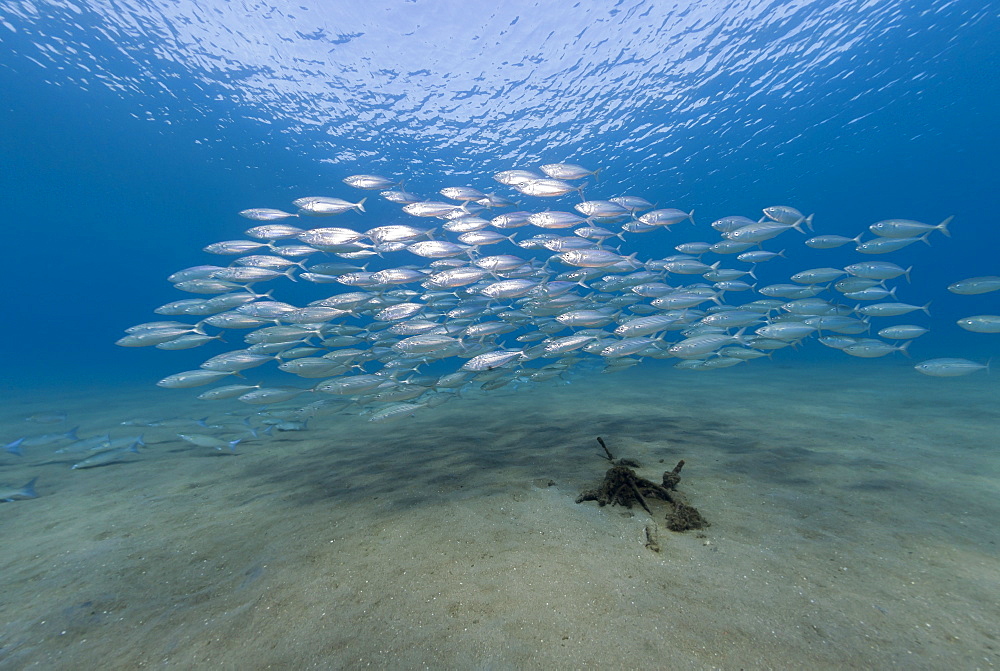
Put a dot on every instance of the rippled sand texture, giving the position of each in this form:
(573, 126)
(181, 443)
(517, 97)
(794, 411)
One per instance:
(853, 516)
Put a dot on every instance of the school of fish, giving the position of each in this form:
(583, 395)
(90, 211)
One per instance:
(476, 292)
(488, 294)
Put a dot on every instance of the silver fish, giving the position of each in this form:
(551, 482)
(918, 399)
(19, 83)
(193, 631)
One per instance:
(491, 360)
(831, 241)
(266, 214)
(235, 247)
(107, 457)
(462, 193)
(517, 177)
(785, 215)
(202, 440)
(430, 208)
(395, 411)
(193, 378)
(878, 270)
(886, 245)
(9, 495)
(891, 309)
(319, 206)
(546, 188)
(567, 171)
(667, 217)
(975, 285)
(906, 228)
(268, 395)
(902, 332)
(981, 323)
(601, 209)
(871, 348)
(371, 182)
(949, 367)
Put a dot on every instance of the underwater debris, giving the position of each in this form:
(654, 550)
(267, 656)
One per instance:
(652, 536)
(621, 462)
(622, 486)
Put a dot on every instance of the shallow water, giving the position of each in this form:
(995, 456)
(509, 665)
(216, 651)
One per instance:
(852, 502)
(850, 512)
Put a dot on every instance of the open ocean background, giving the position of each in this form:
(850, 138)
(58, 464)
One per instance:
(132, 134)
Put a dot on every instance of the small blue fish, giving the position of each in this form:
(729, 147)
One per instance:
(107, 457)
(49, 438)
(22, 494)
(14, 447)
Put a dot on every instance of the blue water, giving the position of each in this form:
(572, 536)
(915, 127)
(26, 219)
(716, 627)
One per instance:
(862, 507)
(132, 133)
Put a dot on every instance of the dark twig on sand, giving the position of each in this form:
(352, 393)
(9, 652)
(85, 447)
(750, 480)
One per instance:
(622, 487)
(606, 450)
(632, 463)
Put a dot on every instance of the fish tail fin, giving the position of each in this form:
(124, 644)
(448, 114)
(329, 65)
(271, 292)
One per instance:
(906, 274)
(15, 447)
(924, 238)
(290, 274)
(71, 434)
(809, 223)
(943, 226)
(798, 225)
(361, 204)
(924, 308)
(28, 490)
(902, 349)
(597, 174)
(233, 444)
(691, 217)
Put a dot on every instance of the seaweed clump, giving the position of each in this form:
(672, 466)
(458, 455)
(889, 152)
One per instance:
(622, 486)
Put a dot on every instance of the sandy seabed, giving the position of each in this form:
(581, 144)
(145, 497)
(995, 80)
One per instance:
(854, 524)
